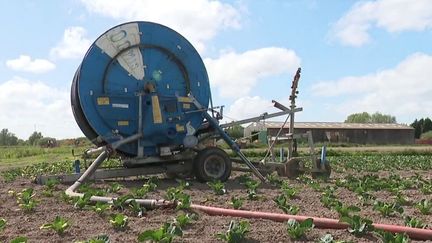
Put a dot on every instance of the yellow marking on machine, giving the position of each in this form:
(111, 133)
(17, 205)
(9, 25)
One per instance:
(184, 99)
(186, 106)
(103, 101)
(157, 115)
(180, 128)
(123, 123)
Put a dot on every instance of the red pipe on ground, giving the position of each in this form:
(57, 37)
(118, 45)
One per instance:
(413, 233)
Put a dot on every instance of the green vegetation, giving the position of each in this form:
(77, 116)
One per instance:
(387, 209)
(298, 230)
(165, 234)
(97, 239)
(387, 237)
(358, 226)
(7, 138)
(100, 208)
(236, 202)
(236, 232)
(2, 224)
(282, 202)
(177, 195)
(19, 239)
(119, 221)
(25, 200)
(424, 206)
(365, 117)
(59, 225)
(414, 222)
(218, 187)
(422, 126)
(184, 219)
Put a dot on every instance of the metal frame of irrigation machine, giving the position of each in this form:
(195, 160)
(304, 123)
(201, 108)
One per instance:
(207, 162)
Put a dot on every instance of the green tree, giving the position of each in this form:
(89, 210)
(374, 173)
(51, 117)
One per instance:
(382, 118)
(427, 125)
(421, 126)
(7, 138)
(365, 117)
(34, 138)
(235, 131)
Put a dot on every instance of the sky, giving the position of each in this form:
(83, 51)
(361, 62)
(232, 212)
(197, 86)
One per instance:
(355, 55)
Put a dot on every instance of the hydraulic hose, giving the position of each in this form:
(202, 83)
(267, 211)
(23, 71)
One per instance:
(413, 233)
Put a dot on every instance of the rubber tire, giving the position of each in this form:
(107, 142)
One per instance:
(201, 157)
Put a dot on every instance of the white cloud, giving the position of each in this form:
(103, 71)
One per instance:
(26, 104)
(404, 90)
(73, 45)
(198, 20)
(235, 74)
(25, 63)
(247, 107)
(391, 15)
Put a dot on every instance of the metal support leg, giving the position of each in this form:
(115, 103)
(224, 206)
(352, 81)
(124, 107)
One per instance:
(214, 123)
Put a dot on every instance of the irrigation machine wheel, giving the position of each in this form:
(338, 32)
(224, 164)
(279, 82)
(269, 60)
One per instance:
(212, 164)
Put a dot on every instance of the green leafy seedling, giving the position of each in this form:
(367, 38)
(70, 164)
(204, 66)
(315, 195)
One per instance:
(176, 194)
(114, 187)
(236, 202)
(274, 179)
(183, 219)
(97, 239)
(289, 191)
(387, 237)
(121, 202)
(424, 206)
(20, 239)
(414, 222)
(298, 230)
(402, 200)
(119, 221)
(236, 232)
(59, 225)
(2, 224)
(101, 207)
(218, 187)
(358, 226)
(282, 203)
(387, 209)
(25, 200)
(345, 211)
(165, 234)
(136, 208)
(82, 202)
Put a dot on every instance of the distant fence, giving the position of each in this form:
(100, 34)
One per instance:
(423, 141)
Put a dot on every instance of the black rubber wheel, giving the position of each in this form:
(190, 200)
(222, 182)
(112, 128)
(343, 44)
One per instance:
(212, 164)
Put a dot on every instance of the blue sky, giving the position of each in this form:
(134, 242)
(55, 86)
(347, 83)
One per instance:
(355, 55)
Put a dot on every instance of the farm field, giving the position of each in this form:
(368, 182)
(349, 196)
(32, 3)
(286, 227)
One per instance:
(393, 189)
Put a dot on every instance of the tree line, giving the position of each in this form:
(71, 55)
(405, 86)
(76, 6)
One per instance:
(8, 138)
(422, 128)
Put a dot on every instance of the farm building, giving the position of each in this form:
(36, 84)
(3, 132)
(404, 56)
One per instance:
(338, 132)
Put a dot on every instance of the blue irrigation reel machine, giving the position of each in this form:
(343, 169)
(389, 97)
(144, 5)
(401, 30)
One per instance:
(142, 92)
